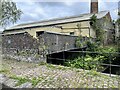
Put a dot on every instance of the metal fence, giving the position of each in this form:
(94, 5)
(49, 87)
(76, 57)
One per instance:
(111, 66)
(83, 54)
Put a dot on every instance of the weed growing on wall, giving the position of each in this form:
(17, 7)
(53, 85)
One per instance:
(97, 27)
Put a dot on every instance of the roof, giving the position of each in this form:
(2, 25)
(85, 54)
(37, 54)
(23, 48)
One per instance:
(81, 17)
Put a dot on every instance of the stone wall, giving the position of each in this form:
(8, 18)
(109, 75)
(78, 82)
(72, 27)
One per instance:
(108, 29)
(57, 42)
(23, 46)
(19, 41)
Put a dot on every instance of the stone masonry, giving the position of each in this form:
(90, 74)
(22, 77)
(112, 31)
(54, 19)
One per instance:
(24, 47)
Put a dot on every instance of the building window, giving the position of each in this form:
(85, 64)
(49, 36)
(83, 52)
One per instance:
(71, 33)
(39, 33)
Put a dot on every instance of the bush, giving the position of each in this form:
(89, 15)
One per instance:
(108, 53)
(87, 62)
(91, 46)
(98, 54)
(79, 42)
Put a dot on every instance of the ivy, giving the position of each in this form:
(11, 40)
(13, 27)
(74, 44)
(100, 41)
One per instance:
(97, 27)
(79, 42)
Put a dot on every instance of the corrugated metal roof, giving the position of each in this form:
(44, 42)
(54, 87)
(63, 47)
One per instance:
(60, 20)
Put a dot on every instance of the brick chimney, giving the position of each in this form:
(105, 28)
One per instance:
(94, 6)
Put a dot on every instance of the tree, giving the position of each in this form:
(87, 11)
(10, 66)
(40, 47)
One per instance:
(9, 13)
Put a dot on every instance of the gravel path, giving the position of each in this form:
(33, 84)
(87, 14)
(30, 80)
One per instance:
(56, 76)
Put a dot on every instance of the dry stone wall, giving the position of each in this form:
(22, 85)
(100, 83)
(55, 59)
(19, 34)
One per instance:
(23, 46)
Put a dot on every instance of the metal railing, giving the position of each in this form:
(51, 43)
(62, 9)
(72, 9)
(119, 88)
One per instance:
(108, 65)
(83, 54)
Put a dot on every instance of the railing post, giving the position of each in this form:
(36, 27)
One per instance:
(110, 63)
(64, 54)
(83, 58)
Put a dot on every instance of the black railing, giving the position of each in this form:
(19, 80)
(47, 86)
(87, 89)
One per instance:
(65, 58)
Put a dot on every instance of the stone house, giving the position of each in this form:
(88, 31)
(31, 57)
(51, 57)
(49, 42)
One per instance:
(75, 25)
(56, 33)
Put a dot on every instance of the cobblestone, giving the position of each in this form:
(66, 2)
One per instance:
(54, 77)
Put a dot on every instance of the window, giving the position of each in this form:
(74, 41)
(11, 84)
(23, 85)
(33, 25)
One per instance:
(71, 33)
(39, 33)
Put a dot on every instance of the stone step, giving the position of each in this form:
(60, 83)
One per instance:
(3, 78)
(25, 85)
(11, 82)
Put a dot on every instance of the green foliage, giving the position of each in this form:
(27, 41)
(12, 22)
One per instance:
(118, 44)
(9, 13)
(42, 63)
(92, 60)
(93, 21)
(35, 80)
(107, 49)
(56, 67)
(94, 73)
(89, 43)
(118, 20)
(4, 71)
(87, 62)
(97, 27)
(91, 46)
(37, 56)
(22, 53)
(79, 42)
(108, 53)
(21, 80)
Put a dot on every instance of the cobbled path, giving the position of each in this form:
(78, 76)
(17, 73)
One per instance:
(53, 76)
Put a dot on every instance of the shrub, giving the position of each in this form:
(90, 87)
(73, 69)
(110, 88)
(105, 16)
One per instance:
(87, 62)
(91, 46)
(108, 53)
(79, 42)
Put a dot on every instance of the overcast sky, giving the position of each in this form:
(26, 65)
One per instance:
(37, 11)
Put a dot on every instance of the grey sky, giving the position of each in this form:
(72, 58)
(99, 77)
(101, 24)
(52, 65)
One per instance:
(36, 11)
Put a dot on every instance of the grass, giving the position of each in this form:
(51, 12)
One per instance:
(4, 71)
(35, 80)
(42, 63)
(22, 80)
(94, 73)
